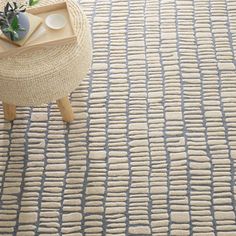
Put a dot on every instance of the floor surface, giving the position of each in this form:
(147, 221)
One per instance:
(153, 148)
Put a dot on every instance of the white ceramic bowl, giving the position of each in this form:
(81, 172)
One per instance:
(55, 21)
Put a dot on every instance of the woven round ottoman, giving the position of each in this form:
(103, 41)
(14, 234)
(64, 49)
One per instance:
(47, 74)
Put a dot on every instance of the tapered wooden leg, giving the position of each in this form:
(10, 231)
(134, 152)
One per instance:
(65, 109)
(9, 111)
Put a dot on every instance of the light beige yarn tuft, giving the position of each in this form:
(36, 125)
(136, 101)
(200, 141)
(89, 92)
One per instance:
(44, 75)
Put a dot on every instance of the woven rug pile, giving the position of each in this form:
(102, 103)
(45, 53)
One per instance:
(153, 148)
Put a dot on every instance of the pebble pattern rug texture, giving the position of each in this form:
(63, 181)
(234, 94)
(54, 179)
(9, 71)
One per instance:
(152, 150)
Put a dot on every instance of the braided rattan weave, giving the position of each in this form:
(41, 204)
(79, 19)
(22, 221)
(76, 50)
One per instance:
(43, 75)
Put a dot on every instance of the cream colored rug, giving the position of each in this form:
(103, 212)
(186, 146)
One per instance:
(153, 148)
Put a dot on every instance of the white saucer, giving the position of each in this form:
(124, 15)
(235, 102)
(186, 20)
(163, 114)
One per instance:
(55, 21)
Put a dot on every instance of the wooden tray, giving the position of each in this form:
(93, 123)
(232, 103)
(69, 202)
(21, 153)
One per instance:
(49, 37)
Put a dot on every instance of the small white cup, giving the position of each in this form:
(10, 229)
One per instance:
(55, 21)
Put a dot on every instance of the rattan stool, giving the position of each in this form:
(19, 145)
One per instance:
(47, 74)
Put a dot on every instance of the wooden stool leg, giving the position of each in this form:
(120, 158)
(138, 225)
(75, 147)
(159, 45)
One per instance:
(65, 109)
(9, 111)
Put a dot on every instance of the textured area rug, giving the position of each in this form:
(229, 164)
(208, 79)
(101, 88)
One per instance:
(153, 148)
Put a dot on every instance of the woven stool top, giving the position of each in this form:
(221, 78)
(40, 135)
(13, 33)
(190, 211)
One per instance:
(42, 75)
